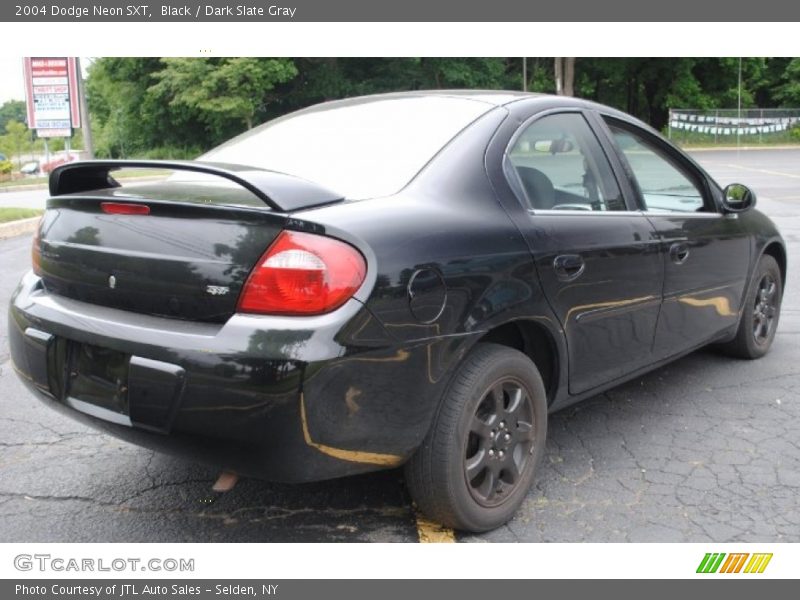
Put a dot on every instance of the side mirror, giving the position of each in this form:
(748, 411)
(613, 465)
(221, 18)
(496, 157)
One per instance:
(738, 198)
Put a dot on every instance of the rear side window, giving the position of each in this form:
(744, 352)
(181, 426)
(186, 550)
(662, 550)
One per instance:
(556, 163)
(664, 186)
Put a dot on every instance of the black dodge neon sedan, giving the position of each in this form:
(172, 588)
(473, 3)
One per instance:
(408, 279)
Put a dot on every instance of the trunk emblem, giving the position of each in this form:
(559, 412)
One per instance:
(112, 282)
(217, 290)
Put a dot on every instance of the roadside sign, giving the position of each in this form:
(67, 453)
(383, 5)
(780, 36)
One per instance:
(48, 133)
(51, 91)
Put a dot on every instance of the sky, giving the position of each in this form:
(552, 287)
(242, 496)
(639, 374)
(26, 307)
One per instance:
(12, 86)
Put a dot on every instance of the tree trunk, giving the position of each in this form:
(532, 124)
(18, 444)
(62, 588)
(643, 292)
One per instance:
(569, 76)
(564, 70)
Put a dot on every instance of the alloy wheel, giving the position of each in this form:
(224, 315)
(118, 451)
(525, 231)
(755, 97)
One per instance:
(765, 309)
(500, 442)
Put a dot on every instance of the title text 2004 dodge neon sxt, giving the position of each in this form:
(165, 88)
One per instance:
(408, 279)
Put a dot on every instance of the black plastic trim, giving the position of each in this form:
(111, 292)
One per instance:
(279, 191)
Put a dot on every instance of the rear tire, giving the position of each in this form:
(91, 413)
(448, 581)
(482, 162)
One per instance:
(478, 461)
(760, 313)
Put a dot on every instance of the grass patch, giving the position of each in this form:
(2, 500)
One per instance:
(23, 181)
(133, 173)
(15, 214)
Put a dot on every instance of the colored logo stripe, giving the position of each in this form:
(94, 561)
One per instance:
(711, 562)
(758, 563)
(733, 564)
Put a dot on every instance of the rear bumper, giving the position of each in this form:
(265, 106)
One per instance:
(286, 399)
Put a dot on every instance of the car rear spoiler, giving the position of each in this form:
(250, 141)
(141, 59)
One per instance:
(279, 191)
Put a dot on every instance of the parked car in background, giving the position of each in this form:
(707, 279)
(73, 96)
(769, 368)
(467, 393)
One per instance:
(31, 168)
(408, 279)
(57, 162)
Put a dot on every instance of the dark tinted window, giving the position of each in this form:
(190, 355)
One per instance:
(664, 186)
(556, 163)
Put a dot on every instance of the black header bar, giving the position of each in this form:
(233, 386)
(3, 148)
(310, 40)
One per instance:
(400, 11)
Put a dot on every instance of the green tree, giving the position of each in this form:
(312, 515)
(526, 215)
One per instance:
(127, 120)
(649, 87)
(221, 90)
(787, 92)
(17, 139)
(480, 73)
(12, 110)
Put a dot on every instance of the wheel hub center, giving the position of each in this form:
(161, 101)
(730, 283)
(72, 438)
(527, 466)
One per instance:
(501, 440)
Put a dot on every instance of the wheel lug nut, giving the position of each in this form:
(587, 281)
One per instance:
(507, 436)
(502, 424)
(501, 454)
(491, 451)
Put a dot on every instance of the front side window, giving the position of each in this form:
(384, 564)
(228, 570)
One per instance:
(664, 187)
(556, 163)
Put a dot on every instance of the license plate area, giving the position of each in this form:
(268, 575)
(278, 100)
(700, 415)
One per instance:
(98, 376)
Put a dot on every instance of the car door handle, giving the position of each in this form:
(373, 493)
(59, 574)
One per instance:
(568, 266)
(679, 252)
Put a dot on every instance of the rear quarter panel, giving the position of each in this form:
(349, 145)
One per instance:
(449, 226)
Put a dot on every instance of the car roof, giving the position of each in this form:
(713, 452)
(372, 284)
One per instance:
(493, 97)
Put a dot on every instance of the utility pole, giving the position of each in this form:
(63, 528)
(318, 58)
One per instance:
(524, 74)
(88, 146)
(739, 110)
(558, 67)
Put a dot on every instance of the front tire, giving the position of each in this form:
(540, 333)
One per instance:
(762, 309)
(477, 463)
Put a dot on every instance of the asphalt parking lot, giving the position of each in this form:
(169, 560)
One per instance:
(705, 449)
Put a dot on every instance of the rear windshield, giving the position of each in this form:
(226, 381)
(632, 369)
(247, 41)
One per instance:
(360, 149)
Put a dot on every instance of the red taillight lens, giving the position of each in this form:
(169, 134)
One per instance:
(124, 208)
(303, 274)
(36, 249)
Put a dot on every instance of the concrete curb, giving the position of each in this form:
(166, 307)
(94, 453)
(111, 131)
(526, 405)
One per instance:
(15, 228)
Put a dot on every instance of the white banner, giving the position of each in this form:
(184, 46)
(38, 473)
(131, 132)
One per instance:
(376, 561)
(716, 130)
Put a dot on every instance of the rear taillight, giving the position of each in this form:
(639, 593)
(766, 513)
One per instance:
(303, 274)
(36, 249)
(124, 208)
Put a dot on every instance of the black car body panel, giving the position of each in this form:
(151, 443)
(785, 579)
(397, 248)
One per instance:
(454, 258)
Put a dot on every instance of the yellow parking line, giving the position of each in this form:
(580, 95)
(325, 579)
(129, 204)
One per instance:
(433, 533)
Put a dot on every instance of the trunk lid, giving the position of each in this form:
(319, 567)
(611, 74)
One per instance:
(188, 258)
